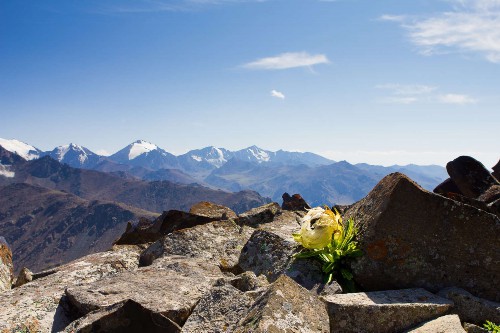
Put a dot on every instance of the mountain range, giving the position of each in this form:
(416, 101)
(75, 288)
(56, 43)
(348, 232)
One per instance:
(318, 179)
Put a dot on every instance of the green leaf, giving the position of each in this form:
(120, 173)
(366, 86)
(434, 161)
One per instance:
(346, 274)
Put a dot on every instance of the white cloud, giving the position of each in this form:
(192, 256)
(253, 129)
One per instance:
(399, 100)
(407, 89)
(456, 99)
(472, 26)
(392, 18)
(288, 60)
(277, 94)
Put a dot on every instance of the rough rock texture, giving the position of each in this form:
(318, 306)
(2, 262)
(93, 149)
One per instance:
(285, 307)
(209, 209)
(415, 238)
(470, 176)
(444, 324)
(171, 287)
(166, 223)
(6, 266)
(447, 186)
(218, 311)
(41, 305)
(491, 194)
(383, 311)
(248, 281)
(294, 202)
(470, 308)
(260, 215)
(128, 316)
(471, 328)
(496, 171)
(25, 276)
(226, 241)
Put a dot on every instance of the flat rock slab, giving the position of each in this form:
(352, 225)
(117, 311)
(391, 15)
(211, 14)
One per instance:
(172, 288)
(212, 210)
(285, 307)
(415, 238)
(219, 310)
(218, 242)
(128, 316)
(470, 308)
(259, 215)
(40, 304)
(383, 311)
(444, 324)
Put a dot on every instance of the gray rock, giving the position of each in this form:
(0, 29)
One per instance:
(40, 304)
(444, 324)
(209, 209)
(171, 287)
(260, 215)
(218, 311)
(25, 276)
(218, 242)
(470, 308)
(248, 281)
(6, 267)
(415, 238)
(128, 316)
(383, 311)
(270, 250)
(285, 307)
(471, 328)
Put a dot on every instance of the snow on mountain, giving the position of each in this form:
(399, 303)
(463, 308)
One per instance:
(145, 154)
(253, 154)
(140, 147)
(5, 171)
(74, 155)
(22, 149)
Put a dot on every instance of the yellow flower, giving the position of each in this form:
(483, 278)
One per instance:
(318, 226)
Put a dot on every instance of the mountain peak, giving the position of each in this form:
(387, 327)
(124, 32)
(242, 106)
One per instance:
(140, 147)
(26, 151)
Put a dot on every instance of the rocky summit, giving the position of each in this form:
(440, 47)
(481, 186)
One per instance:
(430, 263)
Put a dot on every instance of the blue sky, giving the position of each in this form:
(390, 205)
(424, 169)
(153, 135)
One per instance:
(382, 82)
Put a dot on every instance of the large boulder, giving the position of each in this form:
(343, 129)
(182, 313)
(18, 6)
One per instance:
(209, 209)
(449, 323)
(41, 306)
(415, 238)
(6, 266)
(294, 202)
(383, 311)
(470, 308)
(470, 176)
(171, 287)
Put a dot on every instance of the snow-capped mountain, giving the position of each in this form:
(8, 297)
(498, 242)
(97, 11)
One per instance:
(75, 156)
(253, 154)
(145, 154)
(26, 151)
(256, 154)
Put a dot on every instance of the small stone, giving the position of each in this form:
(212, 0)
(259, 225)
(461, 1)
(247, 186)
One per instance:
(471, 328)
(444, 324)
(383, 311)
(25, 276)
(294, 203)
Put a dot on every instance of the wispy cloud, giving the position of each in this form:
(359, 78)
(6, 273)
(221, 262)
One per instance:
(471, 26)
(407, 89)
(413, 93)
(277, 94)
(288, 60)
(456, 99)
